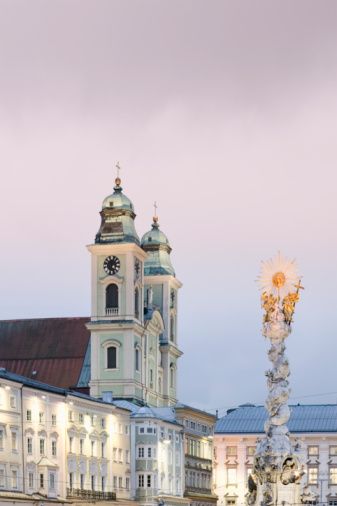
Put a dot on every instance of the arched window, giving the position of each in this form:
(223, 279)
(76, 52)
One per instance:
(111, 300)
(172, 328)
(111, 357)
(137, 303)
(137, 364)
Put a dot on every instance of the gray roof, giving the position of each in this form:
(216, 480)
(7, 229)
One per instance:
(303, 419)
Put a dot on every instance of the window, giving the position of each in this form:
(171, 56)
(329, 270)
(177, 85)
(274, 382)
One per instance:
(53, 420)
(92, 420)
(82, 481)
(231, 451)
(150, 430)
(120, 455)
(12, 402)
(230, 502)
(1, 439)
(120, 482)
(111, 299)
(30, 480)
(149, 452)
(51, 481)
(231, 476)
(112, 357)
(127, 456)
(41, 480)
(53, 448)
(137, 359)
(312, 475)
(80, 418)
(141, 430)
(148, 481)
(81, 446)
(102, 449)
(333, 451)
(333, 475)
(41, 417)
(137, 303)
(103, 483)
(172, 328)
(250, 451)
(114, 454)
(126, 430)
(71, 440)
(71, 480)
(151, 378)
(172, 376)
(141, 481)
(102, 423)
(192, 425)
(204, 429)
(141, 452)
(14, 478)
(115, 482)
(70, 416)
(41, 446)
(93, 482)
(127, 483)
(2, 478)
(14, 441)
(29, 415)
(313, 451)
(92, 448)
(29, 446)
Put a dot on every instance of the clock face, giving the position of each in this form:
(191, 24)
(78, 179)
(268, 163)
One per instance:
(111, 265)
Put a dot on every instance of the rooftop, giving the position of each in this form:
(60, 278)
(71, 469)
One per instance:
(303, 419)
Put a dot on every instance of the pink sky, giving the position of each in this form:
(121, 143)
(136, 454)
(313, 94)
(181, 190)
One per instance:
(225, 112)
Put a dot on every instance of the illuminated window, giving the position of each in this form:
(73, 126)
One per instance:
(333, 475)
(231, 451)
(313, 451)
(312, 475)
(250, 451)
(333, 451)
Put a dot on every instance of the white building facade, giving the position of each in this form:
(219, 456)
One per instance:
(313, 428)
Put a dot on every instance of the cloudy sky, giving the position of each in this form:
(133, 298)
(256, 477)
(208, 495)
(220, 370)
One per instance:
(225, 112)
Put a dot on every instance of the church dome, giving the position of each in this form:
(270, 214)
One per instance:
(158, 248)
(117, 217)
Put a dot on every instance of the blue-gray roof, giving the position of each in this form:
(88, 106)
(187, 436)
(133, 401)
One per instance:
(303, 419)
(166, 413)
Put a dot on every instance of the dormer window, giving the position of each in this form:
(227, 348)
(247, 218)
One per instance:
(111, 204)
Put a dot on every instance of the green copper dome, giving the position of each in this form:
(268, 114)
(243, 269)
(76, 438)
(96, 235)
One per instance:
(117, 217)
(158, 248)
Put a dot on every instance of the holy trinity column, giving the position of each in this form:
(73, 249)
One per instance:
(277, 470)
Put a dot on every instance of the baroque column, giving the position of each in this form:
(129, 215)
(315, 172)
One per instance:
(277, 471)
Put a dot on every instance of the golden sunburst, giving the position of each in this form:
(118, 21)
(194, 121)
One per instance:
(278, 276)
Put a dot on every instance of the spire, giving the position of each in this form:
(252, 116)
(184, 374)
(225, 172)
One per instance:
(155, 223)
(118, 180)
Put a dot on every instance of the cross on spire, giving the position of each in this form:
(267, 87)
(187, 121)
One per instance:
(155, 217)
(118, 167)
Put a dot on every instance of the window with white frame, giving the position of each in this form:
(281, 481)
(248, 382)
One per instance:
(41, 480)
(141, 481)
(29, 415)
(12, 402)
(41, 417)
(80, 418)
(115, 482)
(2, 437)
(42, 446)
(14, 479)
(102, 449)
(120, 455)
(81, 446)
(2, 477)
(231, 475)
(71, 441)
(14, 441)
(93, 482)
(54, 448)
(127, 483)
(231, 451)
(51, 481)
(93, 448)
(141, 452)
(333, 451)
(53, 419)
(127, 456)
(29, 445)
(30, 479)
(313, 451)
(333, 475)
(120, 482)
(82, 481)
(312, 475)
(70, 416)
(111, 357)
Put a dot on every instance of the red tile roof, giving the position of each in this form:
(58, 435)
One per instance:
(53, 347)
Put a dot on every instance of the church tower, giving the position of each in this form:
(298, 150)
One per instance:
(126, 360)
(161, 292)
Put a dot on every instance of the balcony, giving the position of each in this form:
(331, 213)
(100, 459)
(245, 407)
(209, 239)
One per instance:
(90, 494)
(111, 311)
(197, 490)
